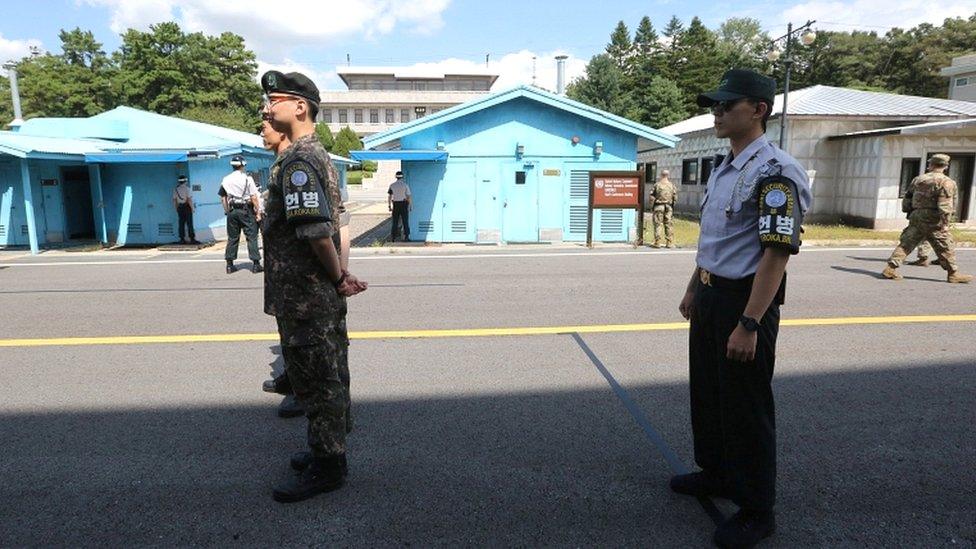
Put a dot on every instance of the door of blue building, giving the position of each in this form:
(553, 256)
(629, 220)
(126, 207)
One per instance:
(13, 223)
(520, 206)
(458, 196)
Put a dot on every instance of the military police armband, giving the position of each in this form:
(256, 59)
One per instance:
(780, 215)
(305, 199)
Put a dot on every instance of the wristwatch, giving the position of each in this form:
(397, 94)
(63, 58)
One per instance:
(341, 280)
(750, 324)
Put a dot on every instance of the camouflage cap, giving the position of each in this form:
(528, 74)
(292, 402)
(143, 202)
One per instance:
(939, 159)
(293, 83)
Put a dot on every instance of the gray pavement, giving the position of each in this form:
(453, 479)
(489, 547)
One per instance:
(511, 441)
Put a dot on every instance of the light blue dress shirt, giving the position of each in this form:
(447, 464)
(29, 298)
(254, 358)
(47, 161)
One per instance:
(729, 241)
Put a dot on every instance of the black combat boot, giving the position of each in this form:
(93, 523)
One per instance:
(700, 484)
(290, 407)
(256, 267)
(280, 385)
(230, 267)
(746, 528)
(322, 475)
(301, 460)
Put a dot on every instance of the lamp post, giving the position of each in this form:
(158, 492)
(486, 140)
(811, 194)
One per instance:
(773, 55)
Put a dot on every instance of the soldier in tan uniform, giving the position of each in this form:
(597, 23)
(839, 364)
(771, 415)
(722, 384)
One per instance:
(932, 198)
(665, 195)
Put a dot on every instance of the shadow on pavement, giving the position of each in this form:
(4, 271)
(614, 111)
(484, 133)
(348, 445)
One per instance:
(871, 458)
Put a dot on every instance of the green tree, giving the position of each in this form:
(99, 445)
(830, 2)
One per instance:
(346, 140)
(743, 44)
(325, 136)
(167, 71)
(235, 118)
(603, 87)
(663, 104)
(698, 64)
(620, 47)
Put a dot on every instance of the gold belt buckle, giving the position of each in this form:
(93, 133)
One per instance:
(705, 277)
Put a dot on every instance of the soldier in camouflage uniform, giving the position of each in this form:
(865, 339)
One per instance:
(665, 195)
(305, 286)
(932, 202)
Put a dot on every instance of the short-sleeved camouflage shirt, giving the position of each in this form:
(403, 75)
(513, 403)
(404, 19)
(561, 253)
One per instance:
(303, 204)
(933, 191)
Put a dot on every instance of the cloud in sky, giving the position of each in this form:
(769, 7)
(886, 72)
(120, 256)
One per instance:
(274, 30)
(14, 50)
(874, 15)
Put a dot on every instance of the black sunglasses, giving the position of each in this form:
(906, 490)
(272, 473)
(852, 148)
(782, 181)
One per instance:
(721, 107)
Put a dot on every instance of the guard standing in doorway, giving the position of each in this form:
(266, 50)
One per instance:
(399, 202)
(750, 225)
(183, 202)
(239, 195)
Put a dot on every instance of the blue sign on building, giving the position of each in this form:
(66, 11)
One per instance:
(513, 167)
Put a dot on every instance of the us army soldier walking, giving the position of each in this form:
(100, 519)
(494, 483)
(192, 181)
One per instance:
(931, 203)
(665, 195)
(305, 287)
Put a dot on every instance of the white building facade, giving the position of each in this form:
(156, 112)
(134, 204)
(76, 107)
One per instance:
(860, 150)
(381, 98)
(962, 78)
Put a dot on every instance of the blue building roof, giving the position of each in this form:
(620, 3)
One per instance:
(654, 138)
(125, 134)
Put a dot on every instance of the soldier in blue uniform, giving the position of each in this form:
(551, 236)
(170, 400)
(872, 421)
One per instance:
(750, 225)
(305, 284)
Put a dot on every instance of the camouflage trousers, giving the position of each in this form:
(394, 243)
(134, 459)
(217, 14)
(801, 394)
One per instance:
(924, 250)
(316, 355)
(936, 234)
(663, 224)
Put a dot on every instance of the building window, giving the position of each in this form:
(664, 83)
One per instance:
(650, 171)
(404, 115)
(689, 172)
(343, 116)
(357, 116)
(374, 116)
(520, 178)
(706, 169)
(910, 168)
(960, 82)
(389, 116)
(327, 116)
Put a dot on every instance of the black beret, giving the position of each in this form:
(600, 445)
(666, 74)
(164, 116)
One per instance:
(293, 83)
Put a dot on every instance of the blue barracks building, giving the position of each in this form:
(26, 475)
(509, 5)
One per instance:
(513, 166)
(110, 177)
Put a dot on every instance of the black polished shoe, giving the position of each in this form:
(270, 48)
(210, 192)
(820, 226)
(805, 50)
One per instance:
(746, 528)
(301, 460)
(231, 269)
(290, 407)
(257, 268)
(280, 385)
(699, 484)
(320, 476)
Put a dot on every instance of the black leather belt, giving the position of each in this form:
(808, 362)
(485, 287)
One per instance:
(714, 281)
(241, 206)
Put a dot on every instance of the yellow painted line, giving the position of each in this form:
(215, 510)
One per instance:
(472, 332)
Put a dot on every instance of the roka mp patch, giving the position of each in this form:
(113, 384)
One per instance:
(780, 216)
(305, 200)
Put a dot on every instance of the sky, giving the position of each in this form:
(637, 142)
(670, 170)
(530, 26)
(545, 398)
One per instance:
(519, 37)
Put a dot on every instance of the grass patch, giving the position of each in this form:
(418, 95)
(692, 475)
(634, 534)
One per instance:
(354, 178)
(686, 233)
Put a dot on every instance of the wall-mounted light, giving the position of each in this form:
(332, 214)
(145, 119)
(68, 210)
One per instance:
(519, 150)
(598, 148)
(440, 145)
(575, 140)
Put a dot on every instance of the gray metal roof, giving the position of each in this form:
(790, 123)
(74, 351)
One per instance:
(832, 101)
